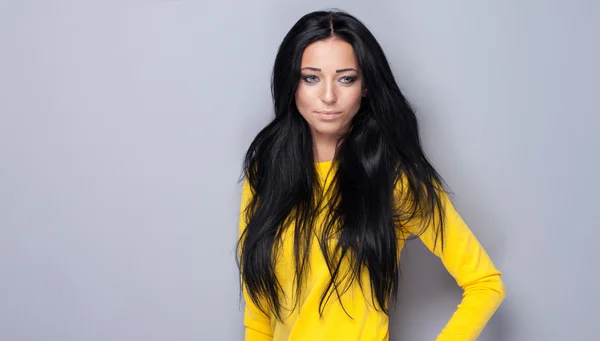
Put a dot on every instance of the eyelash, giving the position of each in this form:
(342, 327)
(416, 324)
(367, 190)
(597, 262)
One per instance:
(349, 79)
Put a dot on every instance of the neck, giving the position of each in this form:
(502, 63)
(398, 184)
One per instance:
(325, 147)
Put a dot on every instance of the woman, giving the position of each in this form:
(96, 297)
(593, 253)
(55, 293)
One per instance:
(333, 187)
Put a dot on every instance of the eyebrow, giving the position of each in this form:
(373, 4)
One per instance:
(336, 71)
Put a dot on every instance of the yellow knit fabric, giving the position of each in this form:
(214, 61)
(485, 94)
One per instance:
(463, 257)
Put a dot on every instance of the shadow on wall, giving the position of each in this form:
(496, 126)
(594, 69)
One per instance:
(428, 297)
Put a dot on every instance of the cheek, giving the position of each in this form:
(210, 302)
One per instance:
(305, 102)
(301, 99)
(353, 99)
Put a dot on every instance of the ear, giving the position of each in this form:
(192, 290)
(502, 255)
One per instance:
(364, 93)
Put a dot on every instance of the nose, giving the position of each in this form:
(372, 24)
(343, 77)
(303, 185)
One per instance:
(328, 94)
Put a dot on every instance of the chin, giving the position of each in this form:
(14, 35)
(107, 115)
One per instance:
(327, 130)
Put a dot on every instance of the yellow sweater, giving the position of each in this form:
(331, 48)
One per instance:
(463, 257)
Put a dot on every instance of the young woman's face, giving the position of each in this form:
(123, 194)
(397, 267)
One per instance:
(330, 89)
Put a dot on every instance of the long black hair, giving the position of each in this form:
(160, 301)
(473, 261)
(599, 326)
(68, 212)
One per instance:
(382, 178)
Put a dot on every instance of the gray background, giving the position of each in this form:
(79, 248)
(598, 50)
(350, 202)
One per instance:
(123, 125)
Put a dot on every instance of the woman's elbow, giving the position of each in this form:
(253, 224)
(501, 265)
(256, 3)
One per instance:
(493, 285)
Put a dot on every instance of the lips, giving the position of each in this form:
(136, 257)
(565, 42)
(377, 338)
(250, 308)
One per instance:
(329, 113)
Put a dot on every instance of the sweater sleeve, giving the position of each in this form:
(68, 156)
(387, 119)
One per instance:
(257, 325)
(467, 261)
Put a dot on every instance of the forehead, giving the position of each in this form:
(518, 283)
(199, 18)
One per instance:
(329, 54)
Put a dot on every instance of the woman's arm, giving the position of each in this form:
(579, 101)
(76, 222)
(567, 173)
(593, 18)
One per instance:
(257, 324)
(469, 264)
